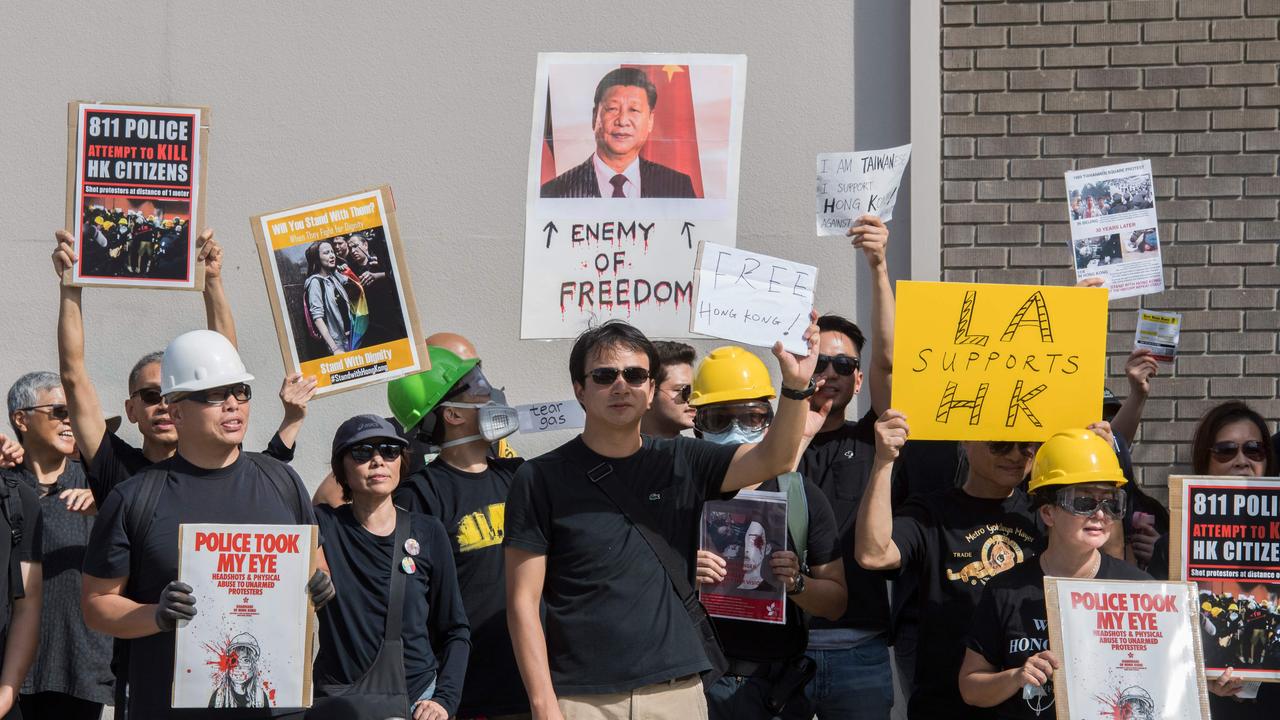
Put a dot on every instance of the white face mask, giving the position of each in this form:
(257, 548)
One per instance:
(734, 436)
(496, 422)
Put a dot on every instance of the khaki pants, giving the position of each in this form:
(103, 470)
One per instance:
(679, 699)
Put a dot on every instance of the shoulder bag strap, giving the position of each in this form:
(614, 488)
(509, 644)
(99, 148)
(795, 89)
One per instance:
(797, 513)
(395, 603)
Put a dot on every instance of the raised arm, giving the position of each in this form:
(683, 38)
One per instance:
(873, 544)
(526, 573)
(872, 237)
(87, 422)
(217, 311)
(1139, 369)
(777, 453)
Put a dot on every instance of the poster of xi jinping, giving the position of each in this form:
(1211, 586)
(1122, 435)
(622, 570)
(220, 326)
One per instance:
(135, 194)
(633, 160)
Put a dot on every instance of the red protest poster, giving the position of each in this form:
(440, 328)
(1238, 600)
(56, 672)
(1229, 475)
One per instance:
(1225, 537)
(746, 531)
(250, 644)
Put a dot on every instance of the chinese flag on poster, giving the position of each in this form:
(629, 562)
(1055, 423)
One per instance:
(674, 140)
(548, 146)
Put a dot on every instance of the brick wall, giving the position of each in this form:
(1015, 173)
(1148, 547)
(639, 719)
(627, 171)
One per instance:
(1032, 89)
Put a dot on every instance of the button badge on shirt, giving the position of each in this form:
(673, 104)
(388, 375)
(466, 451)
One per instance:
(408, 566)
(411, 547)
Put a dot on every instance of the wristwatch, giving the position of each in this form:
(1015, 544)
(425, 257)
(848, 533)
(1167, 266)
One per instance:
(799, 588)
(804, 394)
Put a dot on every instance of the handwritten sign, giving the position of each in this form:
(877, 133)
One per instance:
(751, 298)
(998, 362)
(559, 415)
(1128, 649)
(853, 183)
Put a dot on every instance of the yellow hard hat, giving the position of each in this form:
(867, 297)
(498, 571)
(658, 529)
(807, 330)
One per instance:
(1075, 456)
(1233, 606)
(1206, 606)
(97, 220)
(108, 225)
(730, 373)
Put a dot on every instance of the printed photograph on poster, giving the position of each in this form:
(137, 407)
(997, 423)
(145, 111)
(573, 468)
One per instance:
(340, 291)
(745, 532)
(249, 646)
(135, 194)
(1225, 537)
(1129, 649)
(1114, 233)
(633, 159)
(752, 298)
(853, 183)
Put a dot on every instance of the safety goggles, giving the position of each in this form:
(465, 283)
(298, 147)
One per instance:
(148, 395)
(1084, 503)
(216, 396)
(1001, 447)
(1227, 451)
(363, 453)
(842, 364)
(750, 416)
(680, 395)
(56, 411)
(635, 376)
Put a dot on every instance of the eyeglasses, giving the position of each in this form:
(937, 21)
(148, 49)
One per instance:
(148, 395)
(1227, 451)
(750, 416)
(843, 364)
(56, 411)
(680, 395)
(1084, 504)
(364, 453)
(1002, 447)
(217, 396)
(634, 376)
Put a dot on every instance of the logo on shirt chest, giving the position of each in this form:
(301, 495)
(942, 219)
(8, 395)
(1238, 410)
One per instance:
(1001, 550)
(482, 528)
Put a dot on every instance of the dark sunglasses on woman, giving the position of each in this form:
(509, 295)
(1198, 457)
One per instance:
(1227, 451)
(843, 364)
(1084, 505)
(363, 453)
(1001, 447)
(750, 416)
(634, 376)
(57, 411)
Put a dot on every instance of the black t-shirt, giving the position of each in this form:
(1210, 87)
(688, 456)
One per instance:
(117, 461)
(236, 494)
(1010, 625)
(353, 624)
(839, 462)
(29, 549)
(953, 544)
(472, 507)
(763, 642)
(613, 622)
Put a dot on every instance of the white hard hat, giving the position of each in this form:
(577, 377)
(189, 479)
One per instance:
(200, 360)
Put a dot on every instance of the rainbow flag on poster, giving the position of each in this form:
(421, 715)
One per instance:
(359, 309)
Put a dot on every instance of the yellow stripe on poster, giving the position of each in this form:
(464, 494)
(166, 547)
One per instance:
(325, 221)
(362, 363)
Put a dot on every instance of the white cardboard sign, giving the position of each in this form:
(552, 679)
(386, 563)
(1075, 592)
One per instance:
(559, 415)
(752, 298)
(853, 183)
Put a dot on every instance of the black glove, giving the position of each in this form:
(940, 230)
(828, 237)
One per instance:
(320, 587)
(176, 605)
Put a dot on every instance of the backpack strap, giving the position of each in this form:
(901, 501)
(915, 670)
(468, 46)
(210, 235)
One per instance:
(11, 505)
(792, 484)
(139, 515)
(278, 473)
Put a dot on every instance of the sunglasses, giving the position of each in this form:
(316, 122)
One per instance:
(843, 364)
(1227, 451)
(681, 395)
(149, 396)
(749, 416)
(1001, 447)
(1084, 505)
(56, 411)
(634, 376)
(216, 396)
(364, 453)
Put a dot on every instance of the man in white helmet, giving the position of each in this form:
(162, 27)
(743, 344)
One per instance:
(131, 564)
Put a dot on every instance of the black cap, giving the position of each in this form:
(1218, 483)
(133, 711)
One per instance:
(363, 427)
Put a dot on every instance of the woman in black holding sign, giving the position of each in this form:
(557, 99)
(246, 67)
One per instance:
(397, 593)
(1076, 485)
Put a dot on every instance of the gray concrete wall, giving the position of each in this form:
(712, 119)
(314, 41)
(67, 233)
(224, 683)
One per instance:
(318, 99)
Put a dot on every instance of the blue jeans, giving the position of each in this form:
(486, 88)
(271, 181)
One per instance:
(852, 684)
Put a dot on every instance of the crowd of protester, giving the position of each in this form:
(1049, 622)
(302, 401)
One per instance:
(566, 585)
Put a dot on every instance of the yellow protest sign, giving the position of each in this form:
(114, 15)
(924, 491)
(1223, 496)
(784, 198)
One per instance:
(998, 362)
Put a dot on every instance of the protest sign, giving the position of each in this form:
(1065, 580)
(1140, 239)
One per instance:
(1128, 649)
(752, 298)
(250, 644)
(1158, 332)
(853, 183)
(618, 201)
(340, 291)
(746, 531)
(135, 194)
(541, 417)
(1225, 537)
(998, 362)
(1114, 234)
